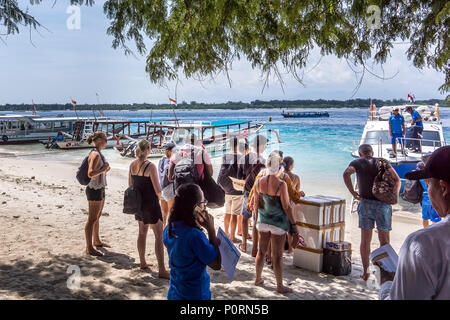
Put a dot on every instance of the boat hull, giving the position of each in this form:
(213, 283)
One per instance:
(306, 115)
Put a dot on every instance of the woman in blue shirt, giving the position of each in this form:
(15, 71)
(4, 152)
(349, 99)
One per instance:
(189, 249)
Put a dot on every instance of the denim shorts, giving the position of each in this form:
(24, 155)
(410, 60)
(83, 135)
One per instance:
(246, 214)
(168, 193)
(371, 211)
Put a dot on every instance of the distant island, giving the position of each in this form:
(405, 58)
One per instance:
(257, 104)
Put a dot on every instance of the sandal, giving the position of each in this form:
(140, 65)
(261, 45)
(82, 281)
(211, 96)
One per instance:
(240, 248)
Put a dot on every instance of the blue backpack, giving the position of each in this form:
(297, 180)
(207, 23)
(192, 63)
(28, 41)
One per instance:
(82, 173)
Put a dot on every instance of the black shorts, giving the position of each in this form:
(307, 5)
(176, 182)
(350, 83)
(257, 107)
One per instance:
(95, 195)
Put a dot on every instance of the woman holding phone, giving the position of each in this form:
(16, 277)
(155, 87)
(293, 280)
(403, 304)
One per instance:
(189, 250)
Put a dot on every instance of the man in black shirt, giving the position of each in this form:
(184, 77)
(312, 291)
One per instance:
(370, 209)
(249, 167)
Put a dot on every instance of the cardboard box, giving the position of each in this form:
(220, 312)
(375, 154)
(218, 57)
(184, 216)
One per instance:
(309, 259)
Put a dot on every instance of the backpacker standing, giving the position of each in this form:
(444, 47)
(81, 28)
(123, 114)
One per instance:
(234, 199)
(249, 167)
(370, 209)
(95, 192)
(189, 164)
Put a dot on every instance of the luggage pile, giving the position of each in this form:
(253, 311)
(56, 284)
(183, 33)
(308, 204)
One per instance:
(321, 222)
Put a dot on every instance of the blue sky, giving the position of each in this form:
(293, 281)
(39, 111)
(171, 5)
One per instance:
(65, 64)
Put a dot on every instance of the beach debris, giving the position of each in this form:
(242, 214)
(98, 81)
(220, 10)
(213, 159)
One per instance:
(39, 205)
(4, 202)
(33, 178)
(60, 206)
(105, 214)
(16, 217)
(84, 211)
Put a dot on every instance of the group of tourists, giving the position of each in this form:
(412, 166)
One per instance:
(175, 197)
(265, 195)
(423, 270)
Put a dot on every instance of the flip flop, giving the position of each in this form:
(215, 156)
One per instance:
(240, 248)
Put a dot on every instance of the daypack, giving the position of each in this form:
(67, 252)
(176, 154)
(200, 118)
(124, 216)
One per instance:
(132, 200)
(185, 171)
(412, 191)
(163, 170)
(82, 173)
(227, 171)
(384, 184)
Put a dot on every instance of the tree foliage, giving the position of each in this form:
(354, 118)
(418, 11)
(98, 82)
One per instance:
(200, 39)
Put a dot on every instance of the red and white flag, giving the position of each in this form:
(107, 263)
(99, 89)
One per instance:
(74, 102)
(172, 101)
(411, 97)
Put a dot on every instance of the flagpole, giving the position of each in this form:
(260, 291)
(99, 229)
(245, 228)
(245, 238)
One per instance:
(74, 108)
(34, 107)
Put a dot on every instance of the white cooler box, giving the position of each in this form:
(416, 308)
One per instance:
(317, 237)
(309, 259)
(337, 209)
(320, 210)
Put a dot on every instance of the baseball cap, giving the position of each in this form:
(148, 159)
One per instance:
(438, 167)
(169, 146)
(395, 108)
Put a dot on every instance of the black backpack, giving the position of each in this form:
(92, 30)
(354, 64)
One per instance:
(132, 200)
(412, 191)
(185, 171)
(82, 173)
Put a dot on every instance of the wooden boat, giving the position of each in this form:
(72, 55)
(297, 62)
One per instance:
(118, 132)
(214, 136)
(306, 114)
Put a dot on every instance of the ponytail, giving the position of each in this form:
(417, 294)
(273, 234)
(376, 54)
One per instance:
(141, 150)
(95, 136)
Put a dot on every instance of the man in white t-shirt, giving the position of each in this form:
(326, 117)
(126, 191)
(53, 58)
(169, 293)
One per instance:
(423, 270)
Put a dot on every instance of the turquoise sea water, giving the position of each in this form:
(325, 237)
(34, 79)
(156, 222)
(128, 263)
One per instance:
(321, 147)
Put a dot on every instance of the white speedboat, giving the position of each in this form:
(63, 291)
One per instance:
(376, 134)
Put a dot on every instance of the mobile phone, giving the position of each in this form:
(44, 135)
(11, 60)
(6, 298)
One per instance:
(198, 213)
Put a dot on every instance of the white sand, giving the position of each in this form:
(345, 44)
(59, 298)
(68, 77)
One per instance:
(43, 211)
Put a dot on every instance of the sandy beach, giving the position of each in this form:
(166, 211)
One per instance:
(43, 210)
